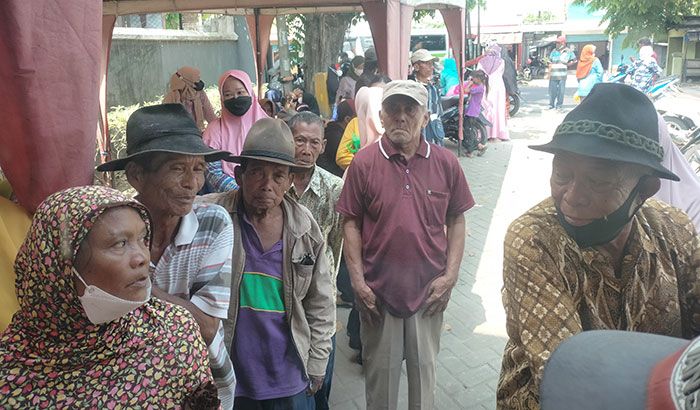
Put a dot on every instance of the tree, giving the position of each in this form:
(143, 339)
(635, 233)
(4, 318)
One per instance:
(642, 17)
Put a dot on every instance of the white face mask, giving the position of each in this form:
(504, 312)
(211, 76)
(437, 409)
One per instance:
(102, 307)
(359, 71)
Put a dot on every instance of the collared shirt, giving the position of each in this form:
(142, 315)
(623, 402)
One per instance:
(560, 60)
(403, 207)
(320, 197)
(554, 289)
(197, 267)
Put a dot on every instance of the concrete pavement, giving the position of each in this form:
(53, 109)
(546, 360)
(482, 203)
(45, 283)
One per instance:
(506, 181)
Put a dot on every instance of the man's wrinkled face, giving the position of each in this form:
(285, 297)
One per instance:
(424, 69)
(586, 188)
(171, 184)
(263, 184)
(308, 143)
(403, 119)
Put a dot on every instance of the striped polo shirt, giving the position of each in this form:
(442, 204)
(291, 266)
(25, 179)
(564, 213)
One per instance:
(196, 266)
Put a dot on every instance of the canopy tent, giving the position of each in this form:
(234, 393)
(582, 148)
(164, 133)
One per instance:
(54, 58)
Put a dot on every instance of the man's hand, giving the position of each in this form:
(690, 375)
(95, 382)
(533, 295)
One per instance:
(368, 304)
(439, 295)
(316, 382)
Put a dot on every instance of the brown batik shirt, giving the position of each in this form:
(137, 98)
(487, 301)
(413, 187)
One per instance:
(554, 289)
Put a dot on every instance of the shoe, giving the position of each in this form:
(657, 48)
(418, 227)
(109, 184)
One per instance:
(550, 108)
(481, 151)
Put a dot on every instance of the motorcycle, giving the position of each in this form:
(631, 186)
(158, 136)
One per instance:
(691, 150)
(514, 104)
(472, 130)
(535, 68)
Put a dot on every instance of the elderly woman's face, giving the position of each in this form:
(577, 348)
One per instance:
(263, 185)
(586, 188)
(114, 256)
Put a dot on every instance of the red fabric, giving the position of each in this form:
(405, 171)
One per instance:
(265, 26)
(49, 64)
(402, 207)
(659, 384)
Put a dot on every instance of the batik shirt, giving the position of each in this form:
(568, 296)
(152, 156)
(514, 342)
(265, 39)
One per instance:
(643, 74)
(554, 289)
(320, 198)
(197, 267)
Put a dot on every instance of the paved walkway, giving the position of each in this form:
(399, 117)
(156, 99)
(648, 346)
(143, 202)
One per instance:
(506, 181)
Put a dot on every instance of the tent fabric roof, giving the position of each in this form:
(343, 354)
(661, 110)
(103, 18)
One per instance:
(124, 7)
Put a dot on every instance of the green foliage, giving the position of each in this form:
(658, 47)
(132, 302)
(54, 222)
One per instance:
(118, 117)
(172, 21)
(642, 17)
(539, 17)
(295, 27)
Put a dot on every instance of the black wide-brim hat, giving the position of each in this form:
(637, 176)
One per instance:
(165, 128)
(615, 122)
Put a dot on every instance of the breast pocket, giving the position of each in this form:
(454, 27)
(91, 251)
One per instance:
(302, 278)
(436, 207)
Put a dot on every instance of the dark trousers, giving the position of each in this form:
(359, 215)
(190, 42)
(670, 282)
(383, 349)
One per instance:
(556, 92)
(300, 401)
(343, 282)
(323, 395)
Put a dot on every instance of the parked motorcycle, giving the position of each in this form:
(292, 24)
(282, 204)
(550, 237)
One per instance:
(691, 150)
(514, 104)
(535, 68)
(471, 129)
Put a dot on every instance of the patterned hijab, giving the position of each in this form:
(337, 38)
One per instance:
(53, 356)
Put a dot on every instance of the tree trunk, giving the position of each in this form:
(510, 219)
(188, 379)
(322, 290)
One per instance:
(323, 41)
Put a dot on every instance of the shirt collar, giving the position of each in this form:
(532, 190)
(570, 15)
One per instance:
(314, 184)
(389, 150)
(187, 230)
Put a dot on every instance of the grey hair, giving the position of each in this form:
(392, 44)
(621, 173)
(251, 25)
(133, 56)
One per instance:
(305, 117)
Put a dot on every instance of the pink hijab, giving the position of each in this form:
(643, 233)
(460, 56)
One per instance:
(228, 132)
(368, 103)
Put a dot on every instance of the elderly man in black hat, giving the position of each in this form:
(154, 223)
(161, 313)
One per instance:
(599, 253)
(191, 245)
(282, 312)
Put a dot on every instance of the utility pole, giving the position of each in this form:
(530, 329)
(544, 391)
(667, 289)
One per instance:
(283, 49)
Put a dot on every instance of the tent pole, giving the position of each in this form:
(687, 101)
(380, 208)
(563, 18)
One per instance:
(258, 56)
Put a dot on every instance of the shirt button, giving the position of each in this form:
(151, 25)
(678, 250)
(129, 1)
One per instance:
(407, 171)
(406, 186)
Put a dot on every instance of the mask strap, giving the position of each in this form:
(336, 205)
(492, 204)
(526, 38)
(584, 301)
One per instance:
(75, 272)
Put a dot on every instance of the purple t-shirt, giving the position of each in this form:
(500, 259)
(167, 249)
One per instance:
(476, 94)
(264, 357)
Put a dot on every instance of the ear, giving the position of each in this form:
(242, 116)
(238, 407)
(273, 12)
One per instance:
(135, 175)
(649, 185)
(238, 175)
(323, 145)
(426, 119)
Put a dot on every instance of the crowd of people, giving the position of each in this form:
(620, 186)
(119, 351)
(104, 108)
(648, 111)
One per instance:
(217, 285)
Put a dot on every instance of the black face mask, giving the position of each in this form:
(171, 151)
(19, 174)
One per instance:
(199, 85)
(602, 230)
(238, 105)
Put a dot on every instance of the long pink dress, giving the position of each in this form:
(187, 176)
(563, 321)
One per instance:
(495, 102)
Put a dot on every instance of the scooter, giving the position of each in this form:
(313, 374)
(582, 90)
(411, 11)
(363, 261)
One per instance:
(691, 150)
(475, 129)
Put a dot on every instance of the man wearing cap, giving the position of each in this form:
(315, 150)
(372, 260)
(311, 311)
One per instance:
(282, 312)
(423, 70)
(191, 246)
(403, 203)
(560, 60)
(599, 253)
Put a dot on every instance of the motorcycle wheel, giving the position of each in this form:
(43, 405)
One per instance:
(478, 133)
(693, 157)
(677, 130)
(514, 101)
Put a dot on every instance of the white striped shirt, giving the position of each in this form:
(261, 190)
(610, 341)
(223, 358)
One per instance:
(197, 267)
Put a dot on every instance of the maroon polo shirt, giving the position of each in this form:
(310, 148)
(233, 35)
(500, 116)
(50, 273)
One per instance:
(403, 206)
